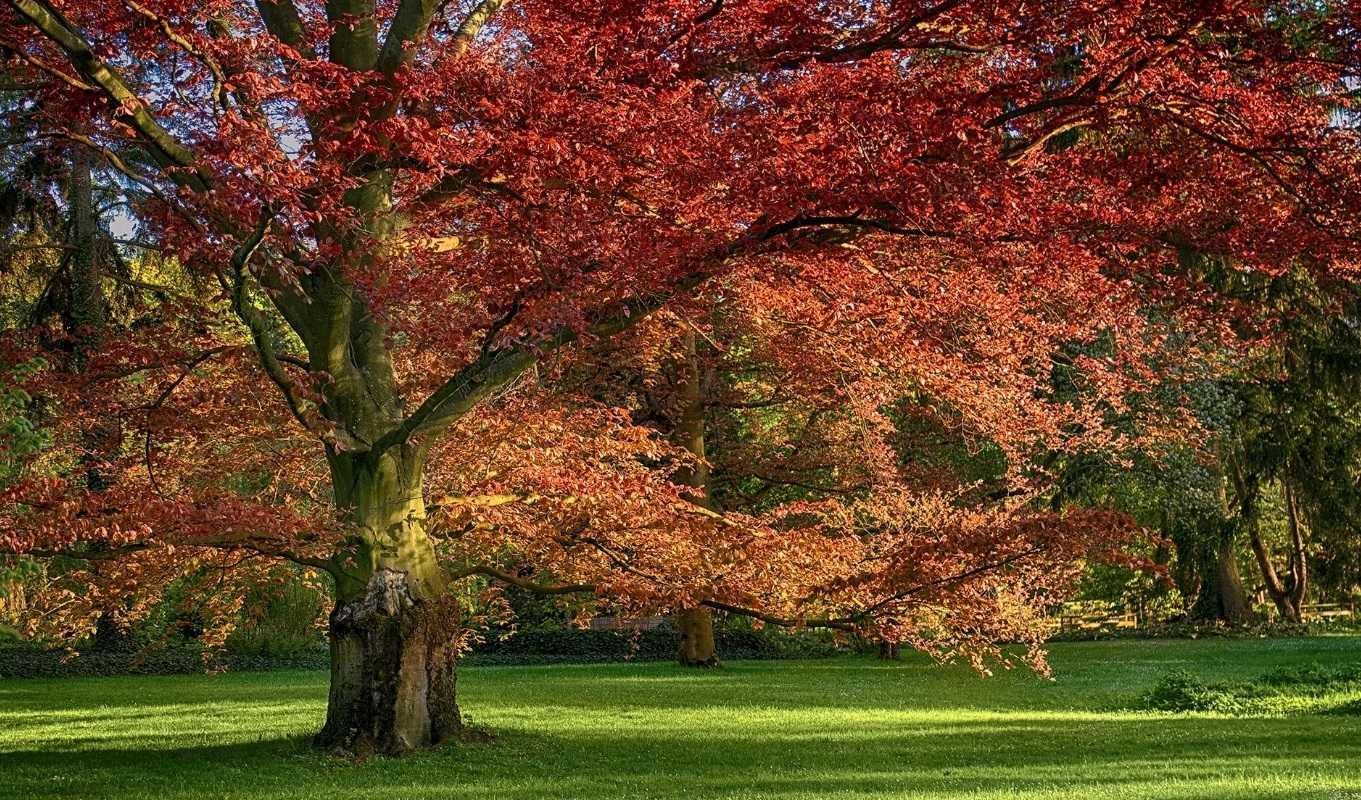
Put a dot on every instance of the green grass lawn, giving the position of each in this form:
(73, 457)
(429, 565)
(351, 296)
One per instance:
(844, 728)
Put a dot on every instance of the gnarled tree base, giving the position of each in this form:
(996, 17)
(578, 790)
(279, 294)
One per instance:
(393, 671)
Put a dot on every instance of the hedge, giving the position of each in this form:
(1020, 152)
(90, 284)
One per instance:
(574, 646)
(549, 646)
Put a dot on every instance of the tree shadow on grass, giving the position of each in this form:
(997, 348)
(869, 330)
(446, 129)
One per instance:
(1048, 756)
(848, 729)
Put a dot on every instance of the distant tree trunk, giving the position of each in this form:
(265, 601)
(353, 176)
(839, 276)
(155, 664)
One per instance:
(696, 625)
(697, 647)
(86, 319)
(1186, 567)
(86, 316)
(393, 631)
(1287, 593)
(1222, 597)
(888, 651)
(88, 310)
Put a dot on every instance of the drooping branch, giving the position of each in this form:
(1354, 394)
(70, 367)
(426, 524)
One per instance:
(259, 547)
(496, 367)
(1086, 95)
(103, 554)
(588, 588)
(846, 624)
(981, 569)
(897, 37)
(840, 623)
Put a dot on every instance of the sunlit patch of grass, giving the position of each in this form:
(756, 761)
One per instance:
(843, 728)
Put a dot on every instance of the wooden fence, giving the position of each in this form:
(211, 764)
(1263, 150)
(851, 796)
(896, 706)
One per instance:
(1096, 617)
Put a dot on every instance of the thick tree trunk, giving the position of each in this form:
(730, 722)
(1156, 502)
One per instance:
(393, 671)
(1222, 597)
(393, 630)
(697, 637)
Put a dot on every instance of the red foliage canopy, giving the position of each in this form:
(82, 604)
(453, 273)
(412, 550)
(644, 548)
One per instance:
(407, 204)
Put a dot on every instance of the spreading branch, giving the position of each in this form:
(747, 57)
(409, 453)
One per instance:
(177, 159)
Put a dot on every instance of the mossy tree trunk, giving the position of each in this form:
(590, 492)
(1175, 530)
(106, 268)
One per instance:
(1221, 597)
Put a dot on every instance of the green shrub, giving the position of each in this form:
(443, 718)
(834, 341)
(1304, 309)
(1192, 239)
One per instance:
(287, 626)
(27, 660)
(1315, 678)
(546, 646)
(1309, 689)
(1183, 691)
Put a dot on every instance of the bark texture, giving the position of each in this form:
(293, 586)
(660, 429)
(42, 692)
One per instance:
(88, 311)
(394, 629)
(392, 671)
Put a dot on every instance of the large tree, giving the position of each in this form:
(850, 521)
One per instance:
(408, 204)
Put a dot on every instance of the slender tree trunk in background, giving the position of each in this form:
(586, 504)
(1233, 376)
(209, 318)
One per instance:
(696, 625)
(87, 312)
(394, 628)
(1299, 563)
(888, 651)
(86, 320)
(88, 309)
(1287, 593)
